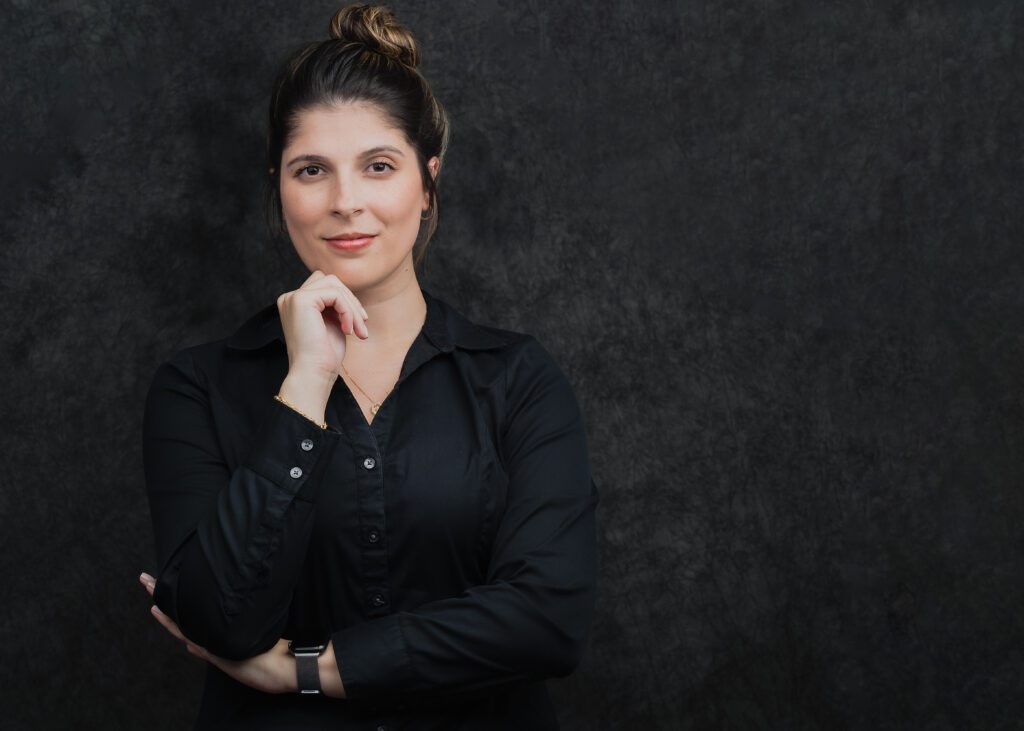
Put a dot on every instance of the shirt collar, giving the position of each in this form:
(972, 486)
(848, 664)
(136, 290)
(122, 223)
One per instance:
(445, 327)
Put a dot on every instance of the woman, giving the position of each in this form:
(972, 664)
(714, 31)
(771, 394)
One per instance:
(387, 522)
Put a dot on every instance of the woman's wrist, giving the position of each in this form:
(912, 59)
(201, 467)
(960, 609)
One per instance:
(330, 677)
(307, 393)
(327, 665)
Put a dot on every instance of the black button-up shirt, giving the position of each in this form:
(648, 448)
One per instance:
(448, 548)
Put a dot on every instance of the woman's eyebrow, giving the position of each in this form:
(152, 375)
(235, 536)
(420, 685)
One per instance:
(382, 148)
(366, 153)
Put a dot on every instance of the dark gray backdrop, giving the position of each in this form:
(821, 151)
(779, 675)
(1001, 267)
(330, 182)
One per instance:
(775, 246)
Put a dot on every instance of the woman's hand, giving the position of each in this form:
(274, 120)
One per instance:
(315, 318)
(271, 672)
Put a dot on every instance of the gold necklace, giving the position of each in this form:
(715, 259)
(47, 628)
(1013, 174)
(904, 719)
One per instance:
(374, 407)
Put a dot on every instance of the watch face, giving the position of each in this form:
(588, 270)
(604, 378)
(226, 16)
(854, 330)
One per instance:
(306, 649)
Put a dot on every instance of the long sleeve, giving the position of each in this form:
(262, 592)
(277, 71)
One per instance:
(531, 617)
(229, 543)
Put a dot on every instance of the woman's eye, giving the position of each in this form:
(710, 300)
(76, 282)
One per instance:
(377, 166)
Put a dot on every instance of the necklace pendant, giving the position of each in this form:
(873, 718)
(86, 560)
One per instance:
(373, 409)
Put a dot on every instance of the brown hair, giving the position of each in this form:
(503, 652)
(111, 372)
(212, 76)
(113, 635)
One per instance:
(369, 57)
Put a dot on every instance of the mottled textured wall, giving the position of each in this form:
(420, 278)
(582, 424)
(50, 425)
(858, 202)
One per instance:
(776, 246)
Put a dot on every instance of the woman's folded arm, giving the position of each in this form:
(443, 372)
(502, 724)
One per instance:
(229, 543)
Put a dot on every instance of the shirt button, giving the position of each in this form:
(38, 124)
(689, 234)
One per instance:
(378, 600)
(307, 444)
(296, 472)
(369, 462)
(373, 536)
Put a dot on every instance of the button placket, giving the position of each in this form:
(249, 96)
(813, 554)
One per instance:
(370, 497)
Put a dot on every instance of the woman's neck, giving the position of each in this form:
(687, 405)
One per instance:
(395, 318)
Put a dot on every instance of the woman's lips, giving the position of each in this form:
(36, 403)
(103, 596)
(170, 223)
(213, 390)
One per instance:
(350, 244)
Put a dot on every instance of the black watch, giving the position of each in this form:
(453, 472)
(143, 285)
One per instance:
(307, 670)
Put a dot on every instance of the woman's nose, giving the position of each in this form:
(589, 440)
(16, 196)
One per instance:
(347, 198)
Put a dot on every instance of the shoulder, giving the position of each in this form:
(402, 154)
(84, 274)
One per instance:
(523, 353)
(497, 357)
(251, 339)
(533, 377)
(528, 359)
(450, 328)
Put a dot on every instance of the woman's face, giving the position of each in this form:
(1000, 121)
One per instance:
(348, 170)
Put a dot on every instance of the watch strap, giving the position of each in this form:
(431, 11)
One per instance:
(307, 667)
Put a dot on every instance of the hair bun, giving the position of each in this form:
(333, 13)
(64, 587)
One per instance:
(376, 27)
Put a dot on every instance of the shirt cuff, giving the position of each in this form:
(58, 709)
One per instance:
(372, 657)
(286, 448)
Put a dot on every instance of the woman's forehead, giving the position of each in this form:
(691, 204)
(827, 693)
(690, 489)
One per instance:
(351, 126)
